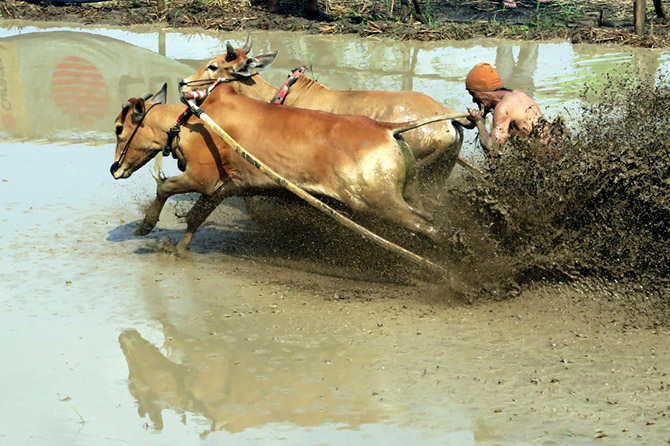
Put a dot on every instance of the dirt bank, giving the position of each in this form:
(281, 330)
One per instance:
(592, 21)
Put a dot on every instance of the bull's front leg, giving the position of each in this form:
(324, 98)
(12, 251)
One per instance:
(201, 210)
(167, 187)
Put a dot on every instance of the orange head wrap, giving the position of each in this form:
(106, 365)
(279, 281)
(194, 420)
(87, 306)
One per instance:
(483, 77)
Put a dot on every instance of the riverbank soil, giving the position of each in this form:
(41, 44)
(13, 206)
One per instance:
(591, 21)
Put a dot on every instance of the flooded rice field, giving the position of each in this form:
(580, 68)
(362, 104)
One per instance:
(303, 334)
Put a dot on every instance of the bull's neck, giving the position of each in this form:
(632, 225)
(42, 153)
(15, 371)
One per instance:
(305, 92)
(308, 93)
(162, 118)
(255, 87)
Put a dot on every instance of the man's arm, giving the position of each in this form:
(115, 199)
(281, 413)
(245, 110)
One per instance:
(493, 142)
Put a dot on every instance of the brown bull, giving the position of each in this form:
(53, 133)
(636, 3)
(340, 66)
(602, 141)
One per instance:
(440, 140)
(353, 159)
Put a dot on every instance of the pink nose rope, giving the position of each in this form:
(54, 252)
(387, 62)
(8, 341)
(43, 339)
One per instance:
(200, 94)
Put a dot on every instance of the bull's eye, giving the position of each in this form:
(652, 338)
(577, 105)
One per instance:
(118, 130)
(212, 67)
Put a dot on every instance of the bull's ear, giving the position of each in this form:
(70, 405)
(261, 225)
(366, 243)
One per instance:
(265, 60)
(262, 61)
(161, 96)
(246, 69)
(138, 110)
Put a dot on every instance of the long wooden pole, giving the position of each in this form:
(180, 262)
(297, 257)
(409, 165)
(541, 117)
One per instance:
(639, 7)
(311, 200)
(467, 165)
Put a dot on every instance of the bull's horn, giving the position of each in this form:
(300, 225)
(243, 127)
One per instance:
(147, 96)
(247, 45)
(125, 106)
(232, 54)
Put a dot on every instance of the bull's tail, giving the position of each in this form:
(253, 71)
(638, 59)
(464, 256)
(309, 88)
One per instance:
(409, 125)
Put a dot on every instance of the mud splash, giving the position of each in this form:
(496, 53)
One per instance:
(602, 210)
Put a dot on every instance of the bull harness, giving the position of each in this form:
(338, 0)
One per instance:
(132, 135)
(200, 96)
(283, 91)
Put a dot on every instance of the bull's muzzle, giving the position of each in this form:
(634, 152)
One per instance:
(114, 168)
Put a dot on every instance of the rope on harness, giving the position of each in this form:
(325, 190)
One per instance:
(198, 96)
(174, 131)
(283, 91)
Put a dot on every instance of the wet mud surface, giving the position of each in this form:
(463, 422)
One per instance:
(298, 333)
(593, 21)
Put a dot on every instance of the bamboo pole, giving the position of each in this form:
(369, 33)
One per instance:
(467, 165)
(311, 200)
(639, 7)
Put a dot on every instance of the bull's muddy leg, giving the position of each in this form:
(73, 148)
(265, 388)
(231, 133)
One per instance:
(415, 202)
(431, 158)
(413, 198)
(166, 188)
(252, 209)
(403, 215)
(200, 211)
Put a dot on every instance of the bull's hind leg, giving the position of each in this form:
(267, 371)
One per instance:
(410, 191)
(413, 199)
(402, 214)
(201, 210)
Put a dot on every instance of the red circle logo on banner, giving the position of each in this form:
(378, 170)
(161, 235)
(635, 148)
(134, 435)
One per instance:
(79, 90)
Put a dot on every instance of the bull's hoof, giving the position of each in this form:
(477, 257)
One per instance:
(181, 251)
(144, 228)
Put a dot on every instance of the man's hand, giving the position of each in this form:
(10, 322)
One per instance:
(476, 116)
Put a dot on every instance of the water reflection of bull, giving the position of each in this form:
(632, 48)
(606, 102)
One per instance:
(440, 141)
(262, 383)
(352, 159)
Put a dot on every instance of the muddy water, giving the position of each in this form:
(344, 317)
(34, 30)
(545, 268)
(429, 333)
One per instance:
(107, 339)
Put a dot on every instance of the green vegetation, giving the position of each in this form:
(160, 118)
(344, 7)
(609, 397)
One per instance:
(356, 17)
(429, 14)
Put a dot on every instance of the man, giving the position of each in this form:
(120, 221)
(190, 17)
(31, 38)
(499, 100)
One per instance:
(513, 111)
(312, 10)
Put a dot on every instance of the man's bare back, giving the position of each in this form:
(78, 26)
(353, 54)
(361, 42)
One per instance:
(516, 113)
